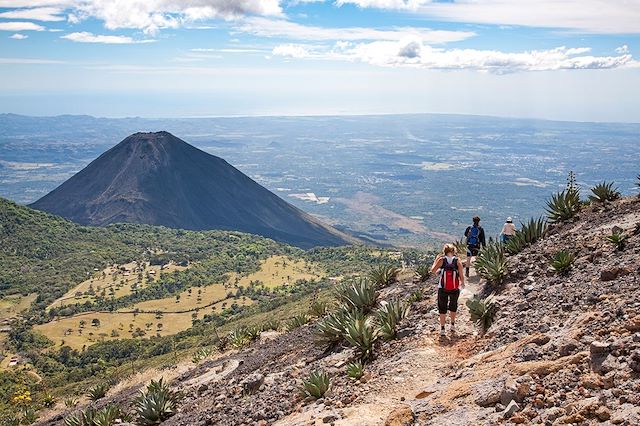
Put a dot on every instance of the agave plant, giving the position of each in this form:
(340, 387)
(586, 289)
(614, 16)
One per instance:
(638, 183)
(461, 246)
(83, 418)
(362, 333)
(528, 234)
(355, 370)
(491, 263)
(109, 415)
(318, 308)
(253, 332)
(238, 338)
(562, 261)
(604, 192)
(97, 391)
(271, 324)
(482, 311)
(201, 354)
(389, 315)
(297, 321)
(48, 400)
(563, 206)
(423, 272)
(384, 275)
(156, 404)
(316, 385)
(70, 402)
(618, 239)
(330, 330)
(358, 295)
(636, 229)
(416, 296)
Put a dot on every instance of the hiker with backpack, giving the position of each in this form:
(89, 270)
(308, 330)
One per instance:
(475, 240)
(449, 284)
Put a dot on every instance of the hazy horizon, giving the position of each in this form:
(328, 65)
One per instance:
(569, 60)
(319, 115)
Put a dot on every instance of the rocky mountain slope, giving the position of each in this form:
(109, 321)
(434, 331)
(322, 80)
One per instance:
(564, 349)
(158, 179)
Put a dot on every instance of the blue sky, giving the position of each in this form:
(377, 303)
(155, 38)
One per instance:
(562, 59)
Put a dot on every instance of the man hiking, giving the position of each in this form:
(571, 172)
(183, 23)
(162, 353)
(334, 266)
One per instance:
(475, 240)
(449, 285)
(508, 230)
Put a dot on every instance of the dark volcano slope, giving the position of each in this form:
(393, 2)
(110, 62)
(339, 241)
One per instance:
(158, 179)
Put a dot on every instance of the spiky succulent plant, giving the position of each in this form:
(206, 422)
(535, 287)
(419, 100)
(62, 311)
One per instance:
(297, 320)
(318, 308)
(316, 385)
(491, 263)
(562, 261)
(156, 404)
(604, 192)
(97, 391)
(618, 239)
(563, 206)
(482, 311)
(362, 333)
(107, 416)
(389, 315)
(423, 272)
(357, 295)
(384, 275)
(355, 370)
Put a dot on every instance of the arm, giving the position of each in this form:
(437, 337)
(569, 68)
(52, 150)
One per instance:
(460, 273)
(437, 264)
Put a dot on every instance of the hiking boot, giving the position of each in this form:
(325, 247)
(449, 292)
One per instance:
(466, 272)
(453, 329)
(442, 332)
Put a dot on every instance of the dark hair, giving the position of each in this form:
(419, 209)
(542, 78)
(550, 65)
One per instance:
(476, 219)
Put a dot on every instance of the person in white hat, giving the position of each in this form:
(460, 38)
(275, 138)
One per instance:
(508, 230)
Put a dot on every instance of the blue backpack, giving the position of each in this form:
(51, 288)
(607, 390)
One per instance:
(473, 238)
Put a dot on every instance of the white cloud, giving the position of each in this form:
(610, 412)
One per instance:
(150, 16)
(20, 26)
(51, 14)
(291, 50)
(19, 36)
(588, 16)
(413, 52)
(86, 37)
(286, 29)
(622, 49)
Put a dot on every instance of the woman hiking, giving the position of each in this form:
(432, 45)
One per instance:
(449, 284)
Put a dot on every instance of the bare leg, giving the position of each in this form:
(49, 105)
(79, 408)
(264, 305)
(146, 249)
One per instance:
(452, 315)
(468, 264)
(443, 319)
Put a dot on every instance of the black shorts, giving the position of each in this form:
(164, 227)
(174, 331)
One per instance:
(448, 300)
(473, 250)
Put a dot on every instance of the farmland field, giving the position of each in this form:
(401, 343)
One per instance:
(13, 305)
(193, 298)
(118, 281)
(277, 271)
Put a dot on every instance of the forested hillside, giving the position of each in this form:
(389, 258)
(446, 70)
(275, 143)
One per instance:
(46, 254)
